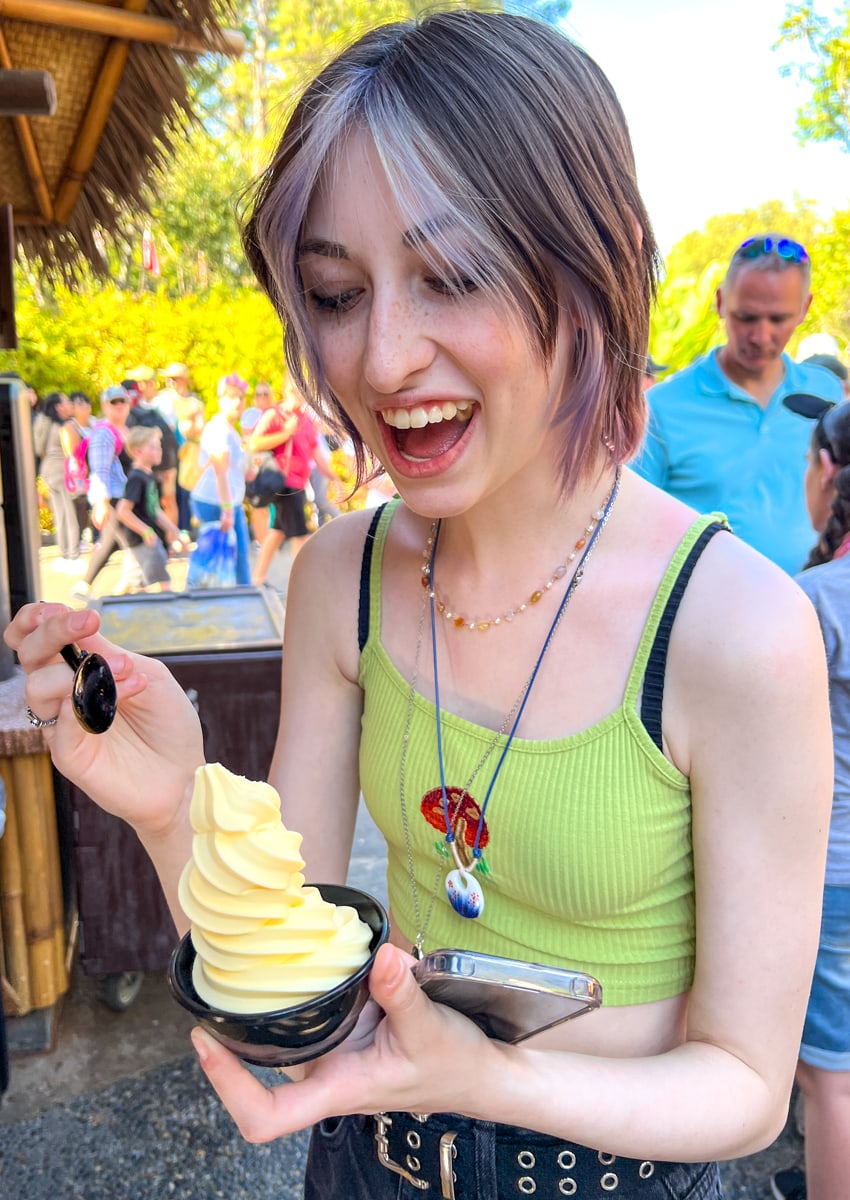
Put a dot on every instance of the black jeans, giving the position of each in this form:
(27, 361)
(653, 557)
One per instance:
(482, 1161)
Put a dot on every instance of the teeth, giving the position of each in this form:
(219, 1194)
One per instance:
(422, 415)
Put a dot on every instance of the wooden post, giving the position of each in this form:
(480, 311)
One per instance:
(8, 332)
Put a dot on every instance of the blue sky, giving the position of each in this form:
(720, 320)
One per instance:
(711, 118)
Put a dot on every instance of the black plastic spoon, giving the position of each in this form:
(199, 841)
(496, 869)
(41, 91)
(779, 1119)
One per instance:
(94, 694)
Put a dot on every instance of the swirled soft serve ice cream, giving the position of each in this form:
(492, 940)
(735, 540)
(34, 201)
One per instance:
(263, 940)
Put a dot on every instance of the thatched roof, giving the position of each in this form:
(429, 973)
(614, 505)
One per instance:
(121, 102)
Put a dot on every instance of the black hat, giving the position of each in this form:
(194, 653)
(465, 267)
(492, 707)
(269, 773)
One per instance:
(830, 362)
(651, 367)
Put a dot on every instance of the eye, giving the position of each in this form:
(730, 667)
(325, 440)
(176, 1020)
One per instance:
(451, 285)
(332, 302)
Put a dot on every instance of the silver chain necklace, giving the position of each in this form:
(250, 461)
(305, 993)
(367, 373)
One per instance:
(462, 872)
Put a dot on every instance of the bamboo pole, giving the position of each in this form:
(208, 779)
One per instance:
(17, 992)
(34, 794)
(120, 23)
(29, 150)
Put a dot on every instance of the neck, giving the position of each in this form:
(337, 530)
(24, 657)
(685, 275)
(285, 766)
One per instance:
(494, 556)
(759, 384)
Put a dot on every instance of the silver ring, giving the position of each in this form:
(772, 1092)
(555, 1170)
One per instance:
(39, 722)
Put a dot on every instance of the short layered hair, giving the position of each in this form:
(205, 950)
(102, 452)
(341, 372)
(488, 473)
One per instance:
(505, 142)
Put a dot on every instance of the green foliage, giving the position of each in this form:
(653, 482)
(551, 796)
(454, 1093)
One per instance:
(91, 339)
(827, 115)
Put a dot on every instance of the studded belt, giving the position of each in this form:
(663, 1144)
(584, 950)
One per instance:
(433, 1156)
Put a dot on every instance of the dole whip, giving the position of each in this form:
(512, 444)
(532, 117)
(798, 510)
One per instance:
(263, 940)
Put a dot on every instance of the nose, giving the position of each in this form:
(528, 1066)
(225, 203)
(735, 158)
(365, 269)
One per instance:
(398, 346)
(762, 333)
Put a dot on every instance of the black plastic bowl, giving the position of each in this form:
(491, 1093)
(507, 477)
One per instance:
(290, 1035)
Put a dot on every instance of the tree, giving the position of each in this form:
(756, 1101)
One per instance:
(827, 115)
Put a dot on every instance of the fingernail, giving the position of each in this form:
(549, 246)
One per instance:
(78, 621)
(199, 1042)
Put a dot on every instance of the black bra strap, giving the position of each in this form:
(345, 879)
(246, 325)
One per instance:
(365, 574)
(656, 666)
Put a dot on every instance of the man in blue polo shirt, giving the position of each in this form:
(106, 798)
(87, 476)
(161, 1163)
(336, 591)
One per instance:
(720, 437)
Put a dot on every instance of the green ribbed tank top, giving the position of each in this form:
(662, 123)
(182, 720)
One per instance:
(590, 856)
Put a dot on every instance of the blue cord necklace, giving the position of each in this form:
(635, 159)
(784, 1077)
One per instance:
(464, 892)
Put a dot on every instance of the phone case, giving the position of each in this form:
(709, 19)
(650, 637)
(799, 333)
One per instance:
(507, 999)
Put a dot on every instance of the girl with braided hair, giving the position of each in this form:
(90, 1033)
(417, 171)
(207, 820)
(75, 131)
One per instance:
(828, 485)
(823, 1070)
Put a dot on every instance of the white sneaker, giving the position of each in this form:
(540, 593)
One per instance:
(73, 566)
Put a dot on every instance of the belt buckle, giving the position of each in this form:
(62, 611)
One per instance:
(382, 1124)
(448, 1154)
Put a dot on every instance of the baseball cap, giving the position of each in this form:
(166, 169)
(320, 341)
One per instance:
(141, 374)
(108, 395)
(175, 370)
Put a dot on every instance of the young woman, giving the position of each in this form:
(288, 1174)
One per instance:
(57, 414)
(823, 1072)
(452, 233)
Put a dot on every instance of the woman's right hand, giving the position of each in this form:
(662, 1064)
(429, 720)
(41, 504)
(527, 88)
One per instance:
(142, 768)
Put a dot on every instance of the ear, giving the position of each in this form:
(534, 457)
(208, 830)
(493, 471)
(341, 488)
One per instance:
(718, 300)
(806, 307)
(828, 470)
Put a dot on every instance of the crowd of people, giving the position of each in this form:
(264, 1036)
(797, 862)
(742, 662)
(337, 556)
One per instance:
(452, 235)
(153, 459)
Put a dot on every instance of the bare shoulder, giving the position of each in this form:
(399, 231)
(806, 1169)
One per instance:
(324, 588)
(747, 661)
(745, 609)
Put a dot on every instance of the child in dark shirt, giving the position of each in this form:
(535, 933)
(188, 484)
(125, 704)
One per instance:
(139, 510)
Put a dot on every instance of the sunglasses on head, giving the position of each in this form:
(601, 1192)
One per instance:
(784, 247)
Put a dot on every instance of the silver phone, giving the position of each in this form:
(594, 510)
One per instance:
(507, 999)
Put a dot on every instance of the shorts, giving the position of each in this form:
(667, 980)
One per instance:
(482, 1161)
(826, 1033)
(290, 513)
(145, 565)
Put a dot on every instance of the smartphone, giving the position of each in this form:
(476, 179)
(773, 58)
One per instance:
(507, 999)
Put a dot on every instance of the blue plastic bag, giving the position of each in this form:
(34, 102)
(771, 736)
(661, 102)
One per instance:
(213, 561)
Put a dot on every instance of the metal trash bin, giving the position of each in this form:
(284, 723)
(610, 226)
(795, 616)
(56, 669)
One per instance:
(224, 647)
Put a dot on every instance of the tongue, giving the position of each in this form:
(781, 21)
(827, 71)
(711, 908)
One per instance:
(430, 441)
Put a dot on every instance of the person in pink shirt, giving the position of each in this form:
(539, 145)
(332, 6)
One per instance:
(289, 432)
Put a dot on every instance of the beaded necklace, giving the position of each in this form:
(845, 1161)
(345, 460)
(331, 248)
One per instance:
(465, 893)
(457, 621)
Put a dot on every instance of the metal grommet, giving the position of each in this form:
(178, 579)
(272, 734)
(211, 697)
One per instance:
(567, 1187)
(646, 1170)
(609, 1181)
(413, 1139)
(605, 1158)
(566, 1161)
(526, 1185)
(526, 1159)
(411, 1162)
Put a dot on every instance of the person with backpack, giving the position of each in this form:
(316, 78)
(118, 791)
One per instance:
(76, 434)
(108, 464)
(53, 450)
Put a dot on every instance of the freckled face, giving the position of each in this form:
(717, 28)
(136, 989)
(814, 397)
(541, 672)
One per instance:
(443, 386)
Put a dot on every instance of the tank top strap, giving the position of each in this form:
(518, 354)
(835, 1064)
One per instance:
(369, 608)
(650, 661)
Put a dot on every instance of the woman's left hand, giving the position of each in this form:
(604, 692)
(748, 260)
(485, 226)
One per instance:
(414, 1058)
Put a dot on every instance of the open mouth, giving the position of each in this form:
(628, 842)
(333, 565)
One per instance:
(427, 431)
